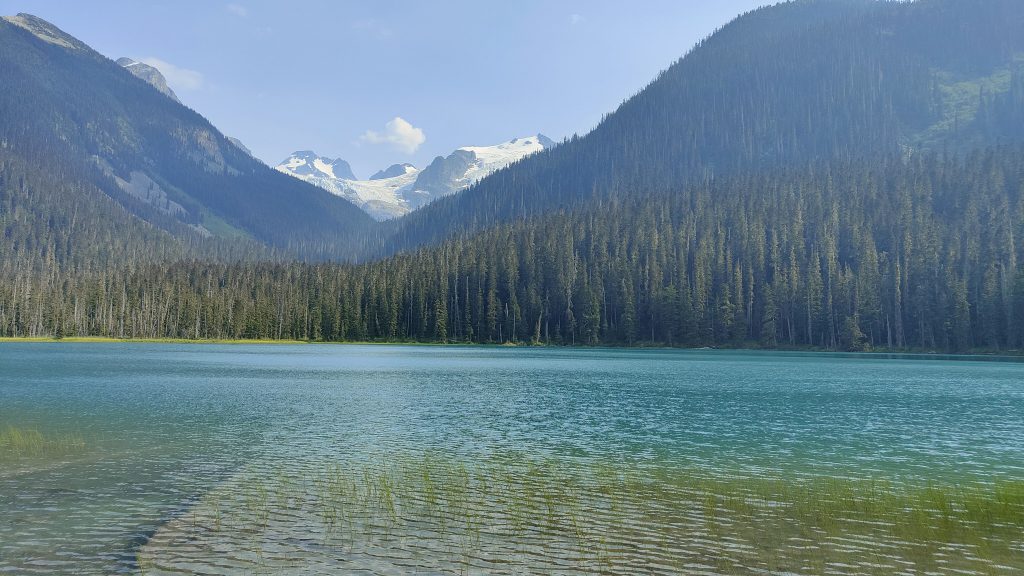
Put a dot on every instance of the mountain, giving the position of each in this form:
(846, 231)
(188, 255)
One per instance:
(122, 143)
(238, 144)
(306, 164)
(45, 31)
(467, 166)
(787, 85)
(150, 74)
(382, 195)
(401, 188)
(834, 174)
(920, 253)
(155, 79)
(392, 171)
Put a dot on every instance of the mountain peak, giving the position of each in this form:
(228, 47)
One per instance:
(149, 74)
(308, 164)
(157, 172)
(511, 150)
(401, 188)
(238, 144)
(45, 31)
(380, 196)
(393, 170)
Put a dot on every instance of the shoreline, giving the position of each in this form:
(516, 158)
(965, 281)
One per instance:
(1012, 355)
(111, 340)
(230, 341)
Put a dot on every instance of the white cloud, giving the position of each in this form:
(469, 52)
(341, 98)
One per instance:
(237, 10)
(400, 134)
(575, 19)
(178, 78)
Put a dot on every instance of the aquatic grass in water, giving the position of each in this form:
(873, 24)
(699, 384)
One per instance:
(30, 443)
(501, 515)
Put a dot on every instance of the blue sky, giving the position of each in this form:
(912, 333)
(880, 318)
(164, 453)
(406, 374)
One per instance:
(333, 76)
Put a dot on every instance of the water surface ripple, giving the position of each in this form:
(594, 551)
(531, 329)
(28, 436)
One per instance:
(399, 459)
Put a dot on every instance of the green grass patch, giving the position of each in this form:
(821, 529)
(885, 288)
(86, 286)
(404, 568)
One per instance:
(18, 443)
(221, 229)
(960, 101)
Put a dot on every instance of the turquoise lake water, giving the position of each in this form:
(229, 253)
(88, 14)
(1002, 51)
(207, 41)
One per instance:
(177, 441)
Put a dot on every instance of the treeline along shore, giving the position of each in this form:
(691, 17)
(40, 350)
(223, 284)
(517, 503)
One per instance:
(898, 253)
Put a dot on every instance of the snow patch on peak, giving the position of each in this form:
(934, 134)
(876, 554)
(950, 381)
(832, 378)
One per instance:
(308, 163)
(380, 197)
(320, 165)
(292, 163)
(490, 159)
(383, 198)
(401, 188)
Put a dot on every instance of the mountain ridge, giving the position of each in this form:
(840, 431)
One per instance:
(148, 73)
(161, 161)
(393, 192)
(837, 175)
(786, 85)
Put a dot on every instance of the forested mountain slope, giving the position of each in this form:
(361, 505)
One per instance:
(76, 128)
(831, 174)
(922, 254)
(786, 85)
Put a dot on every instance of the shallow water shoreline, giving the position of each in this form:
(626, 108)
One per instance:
(915, 353)
(110, 340)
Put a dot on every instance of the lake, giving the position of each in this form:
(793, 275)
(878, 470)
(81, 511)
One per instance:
(161, 458)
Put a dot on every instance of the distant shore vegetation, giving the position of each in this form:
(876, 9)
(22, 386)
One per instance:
(904, 254)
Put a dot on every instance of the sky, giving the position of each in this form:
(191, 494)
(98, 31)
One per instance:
(388, 81)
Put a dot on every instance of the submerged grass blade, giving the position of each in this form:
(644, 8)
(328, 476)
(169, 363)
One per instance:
(28, 442)
(542, 515)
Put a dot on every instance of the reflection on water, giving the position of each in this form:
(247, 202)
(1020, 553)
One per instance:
(393, 459)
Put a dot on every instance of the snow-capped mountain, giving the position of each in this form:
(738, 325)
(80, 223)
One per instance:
(402, 188)
(150, 74)
(307, 165)
(377, 196)
(381, 195)
(392, 171)
(468, 165)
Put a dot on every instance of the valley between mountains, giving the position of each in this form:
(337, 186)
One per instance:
(838, 175)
